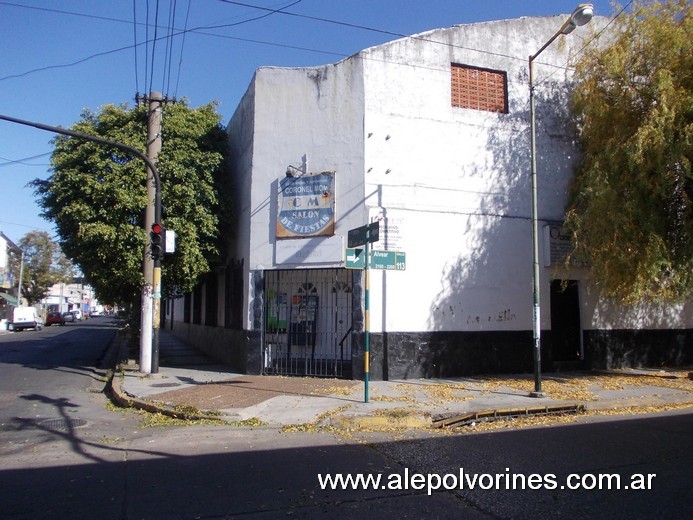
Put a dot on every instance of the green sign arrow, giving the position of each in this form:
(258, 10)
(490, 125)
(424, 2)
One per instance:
(355, 258)
(386, 260)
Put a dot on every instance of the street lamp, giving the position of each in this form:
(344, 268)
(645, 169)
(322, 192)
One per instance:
(580, 16)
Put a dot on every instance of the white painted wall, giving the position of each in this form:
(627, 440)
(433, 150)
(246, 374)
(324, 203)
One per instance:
(308, 118)
(457, 180)
(451, 185)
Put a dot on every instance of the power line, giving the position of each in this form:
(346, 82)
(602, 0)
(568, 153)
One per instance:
(146, 48)
(134, 30)
(10, 162)
(22, 225)
(366, 28)
(182, 46)
(169, 46)
(61, 11)
(156, 31)
(200, 30)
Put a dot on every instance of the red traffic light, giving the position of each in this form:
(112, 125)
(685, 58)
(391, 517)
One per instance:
(156, 239)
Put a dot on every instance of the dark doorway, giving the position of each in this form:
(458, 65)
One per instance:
(565, 321)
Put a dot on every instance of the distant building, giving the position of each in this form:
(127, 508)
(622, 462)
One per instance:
(63, 297)
(8, 284)
(428, 136)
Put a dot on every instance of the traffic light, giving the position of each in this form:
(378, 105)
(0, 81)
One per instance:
(156, 240)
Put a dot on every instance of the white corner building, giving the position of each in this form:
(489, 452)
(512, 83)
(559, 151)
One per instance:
(426, 138)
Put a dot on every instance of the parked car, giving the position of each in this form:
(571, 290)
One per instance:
(54, 318)
(78, 314)
(94, 314)
(25, 318)
(68, 316)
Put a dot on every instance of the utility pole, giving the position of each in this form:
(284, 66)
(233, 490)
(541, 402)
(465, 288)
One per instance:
(149, 349)
(19, 283)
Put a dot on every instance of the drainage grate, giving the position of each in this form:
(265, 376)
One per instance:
(165, 385)
(512, 413)
(61, 424)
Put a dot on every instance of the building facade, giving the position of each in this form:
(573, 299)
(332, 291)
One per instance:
(74, 296)
(8, 283)
(427, 136)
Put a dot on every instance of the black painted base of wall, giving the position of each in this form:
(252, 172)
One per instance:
(606, 349)
(443, 354)
(457, 354)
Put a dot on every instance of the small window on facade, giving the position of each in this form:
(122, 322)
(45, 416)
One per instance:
(479, 89)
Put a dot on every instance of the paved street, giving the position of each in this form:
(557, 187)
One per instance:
(65, 454)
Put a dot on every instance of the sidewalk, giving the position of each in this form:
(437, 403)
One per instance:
(188, 384)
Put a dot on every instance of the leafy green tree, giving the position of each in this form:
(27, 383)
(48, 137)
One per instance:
(630, 210)
(44, 265)
(96, 196)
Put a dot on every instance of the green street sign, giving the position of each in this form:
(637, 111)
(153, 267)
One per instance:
(355, 258)
(388, 260)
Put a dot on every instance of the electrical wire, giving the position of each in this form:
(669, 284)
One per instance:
(134, 31)
(10, 162)
(182, 46)
(200, 30)
(365, 28)
(146, 48)
(156, 32)
(169, 47)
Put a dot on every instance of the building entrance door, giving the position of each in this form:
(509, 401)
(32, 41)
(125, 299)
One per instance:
(566, 331)
(307, 322)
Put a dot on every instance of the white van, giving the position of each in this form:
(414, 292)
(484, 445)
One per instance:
(25, 318)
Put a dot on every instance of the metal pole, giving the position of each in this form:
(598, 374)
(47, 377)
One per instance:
(19, 283)
(367, 338)
(536, 313)
(580, 16)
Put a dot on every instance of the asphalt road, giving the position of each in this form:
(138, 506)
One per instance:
(566, 471)
(65, 454)
(54, 376)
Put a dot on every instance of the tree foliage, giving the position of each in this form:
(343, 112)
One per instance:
(96, 196)
(630, 211)
(44, 265)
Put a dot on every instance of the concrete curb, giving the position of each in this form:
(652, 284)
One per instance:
(637, 402)
(125, 400)
(117, 356)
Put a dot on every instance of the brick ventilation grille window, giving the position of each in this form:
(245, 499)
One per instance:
(478, 89)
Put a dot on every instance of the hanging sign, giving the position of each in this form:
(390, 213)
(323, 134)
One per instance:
(306, 206)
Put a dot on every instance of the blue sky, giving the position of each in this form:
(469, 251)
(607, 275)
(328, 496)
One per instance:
(59, 57)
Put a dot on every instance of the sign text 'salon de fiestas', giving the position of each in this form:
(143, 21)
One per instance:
(306, 206)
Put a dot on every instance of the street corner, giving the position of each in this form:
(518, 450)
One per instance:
(183, 412)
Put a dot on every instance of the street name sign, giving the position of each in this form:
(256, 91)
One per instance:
(388, 260)
(355, 258)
